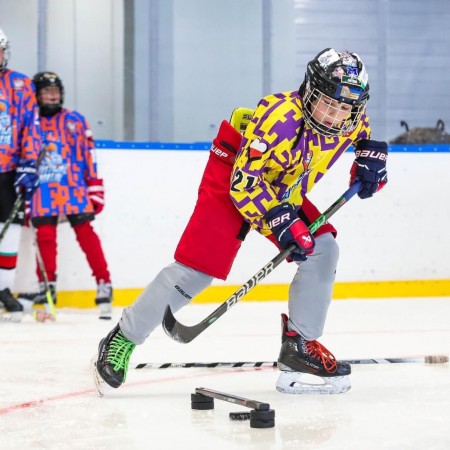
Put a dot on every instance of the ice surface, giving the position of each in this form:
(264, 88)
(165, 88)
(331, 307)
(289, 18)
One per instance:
(47, 398)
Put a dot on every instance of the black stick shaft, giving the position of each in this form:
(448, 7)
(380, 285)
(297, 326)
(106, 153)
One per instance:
(185, 334)
(429, 359)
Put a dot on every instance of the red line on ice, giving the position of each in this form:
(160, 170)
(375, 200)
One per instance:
(43, 401)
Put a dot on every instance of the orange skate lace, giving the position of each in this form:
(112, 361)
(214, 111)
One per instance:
(318, 351)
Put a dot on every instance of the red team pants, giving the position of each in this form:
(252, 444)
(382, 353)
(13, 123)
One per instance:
(210, 241)
(88, 241)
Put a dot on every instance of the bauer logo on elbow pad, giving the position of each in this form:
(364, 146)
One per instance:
(256, 149)
(219, 152)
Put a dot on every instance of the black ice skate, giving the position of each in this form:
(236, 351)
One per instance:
(29, 299)
(11, 305)
(110, 366)
(41, 299)
(301, 359)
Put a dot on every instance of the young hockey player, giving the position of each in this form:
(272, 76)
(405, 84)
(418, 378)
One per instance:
(69, 186)
(20, 144)
(291, 142)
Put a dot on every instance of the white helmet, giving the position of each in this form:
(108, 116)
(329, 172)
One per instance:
(4, 44)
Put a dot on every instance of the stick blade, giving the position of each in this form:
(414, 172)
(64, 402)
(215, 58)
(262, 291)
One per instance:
(436, 359)
(174, 329)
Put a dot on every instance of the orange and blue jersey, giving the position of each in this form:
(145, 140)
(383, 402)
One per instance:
(282, 158)
(67, 166)
(19, 120)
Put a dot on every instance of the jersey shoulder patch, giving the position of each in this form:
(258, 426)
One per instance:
(256, 150)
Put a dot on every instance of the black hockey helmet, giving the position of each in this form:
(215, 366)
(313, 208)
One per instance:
(340, 76)
(47, 79)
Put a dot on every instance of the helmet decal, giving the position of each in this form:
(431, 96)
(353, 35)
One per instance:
(328, 57)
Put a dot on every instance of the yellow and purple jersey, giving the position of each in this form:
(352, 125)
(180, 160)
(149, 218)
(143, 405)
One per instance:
(67, 165)
(282, 158)
(19, 120)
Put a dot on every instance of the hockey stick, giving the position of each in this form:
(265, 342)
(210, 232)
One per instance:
(15, 210)
(231, 398)
(48, 292)
(185, 334)
(19, 201)
(429, 359)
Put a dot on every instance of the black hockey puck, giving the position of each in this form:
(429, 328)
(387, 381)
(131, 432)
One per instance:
(262, 419)
(243, 415)
(199, 401)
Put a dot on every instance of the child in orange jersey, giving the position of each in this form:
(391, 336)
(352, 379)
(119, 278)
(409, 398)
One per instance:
(69, 186)
(20, 143)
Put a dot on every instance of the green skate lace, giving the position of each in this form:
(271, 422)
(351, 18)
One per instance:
(119, 353)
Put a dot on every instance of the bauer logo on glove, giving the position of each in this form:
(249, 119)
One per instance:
(369, 166)
(279, 220)
(288, 228)
(371, 154)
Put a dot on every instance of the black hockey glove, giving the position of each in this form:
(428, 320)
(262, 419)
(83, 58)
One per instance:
(369, 166)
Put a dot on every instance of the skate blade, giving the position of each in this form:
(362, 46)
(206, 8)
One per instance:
(100, 386)
(302, 383)
(27, 305)
(12, 317)
(105, 316)
(105, 311)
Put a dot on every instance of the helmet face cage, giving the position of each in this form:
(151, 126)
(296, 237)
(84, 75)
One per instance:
(334, 80)
(4, 45)
(48, 79)
(313, 97)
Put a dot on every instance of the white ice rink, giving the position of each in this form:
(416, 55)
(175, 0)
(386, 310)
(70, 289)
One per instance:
(47, 399)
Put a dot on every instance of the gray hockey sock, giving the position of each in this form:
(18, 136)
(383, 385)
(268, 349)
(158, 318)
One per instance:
(175, 285)
(311, 289)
